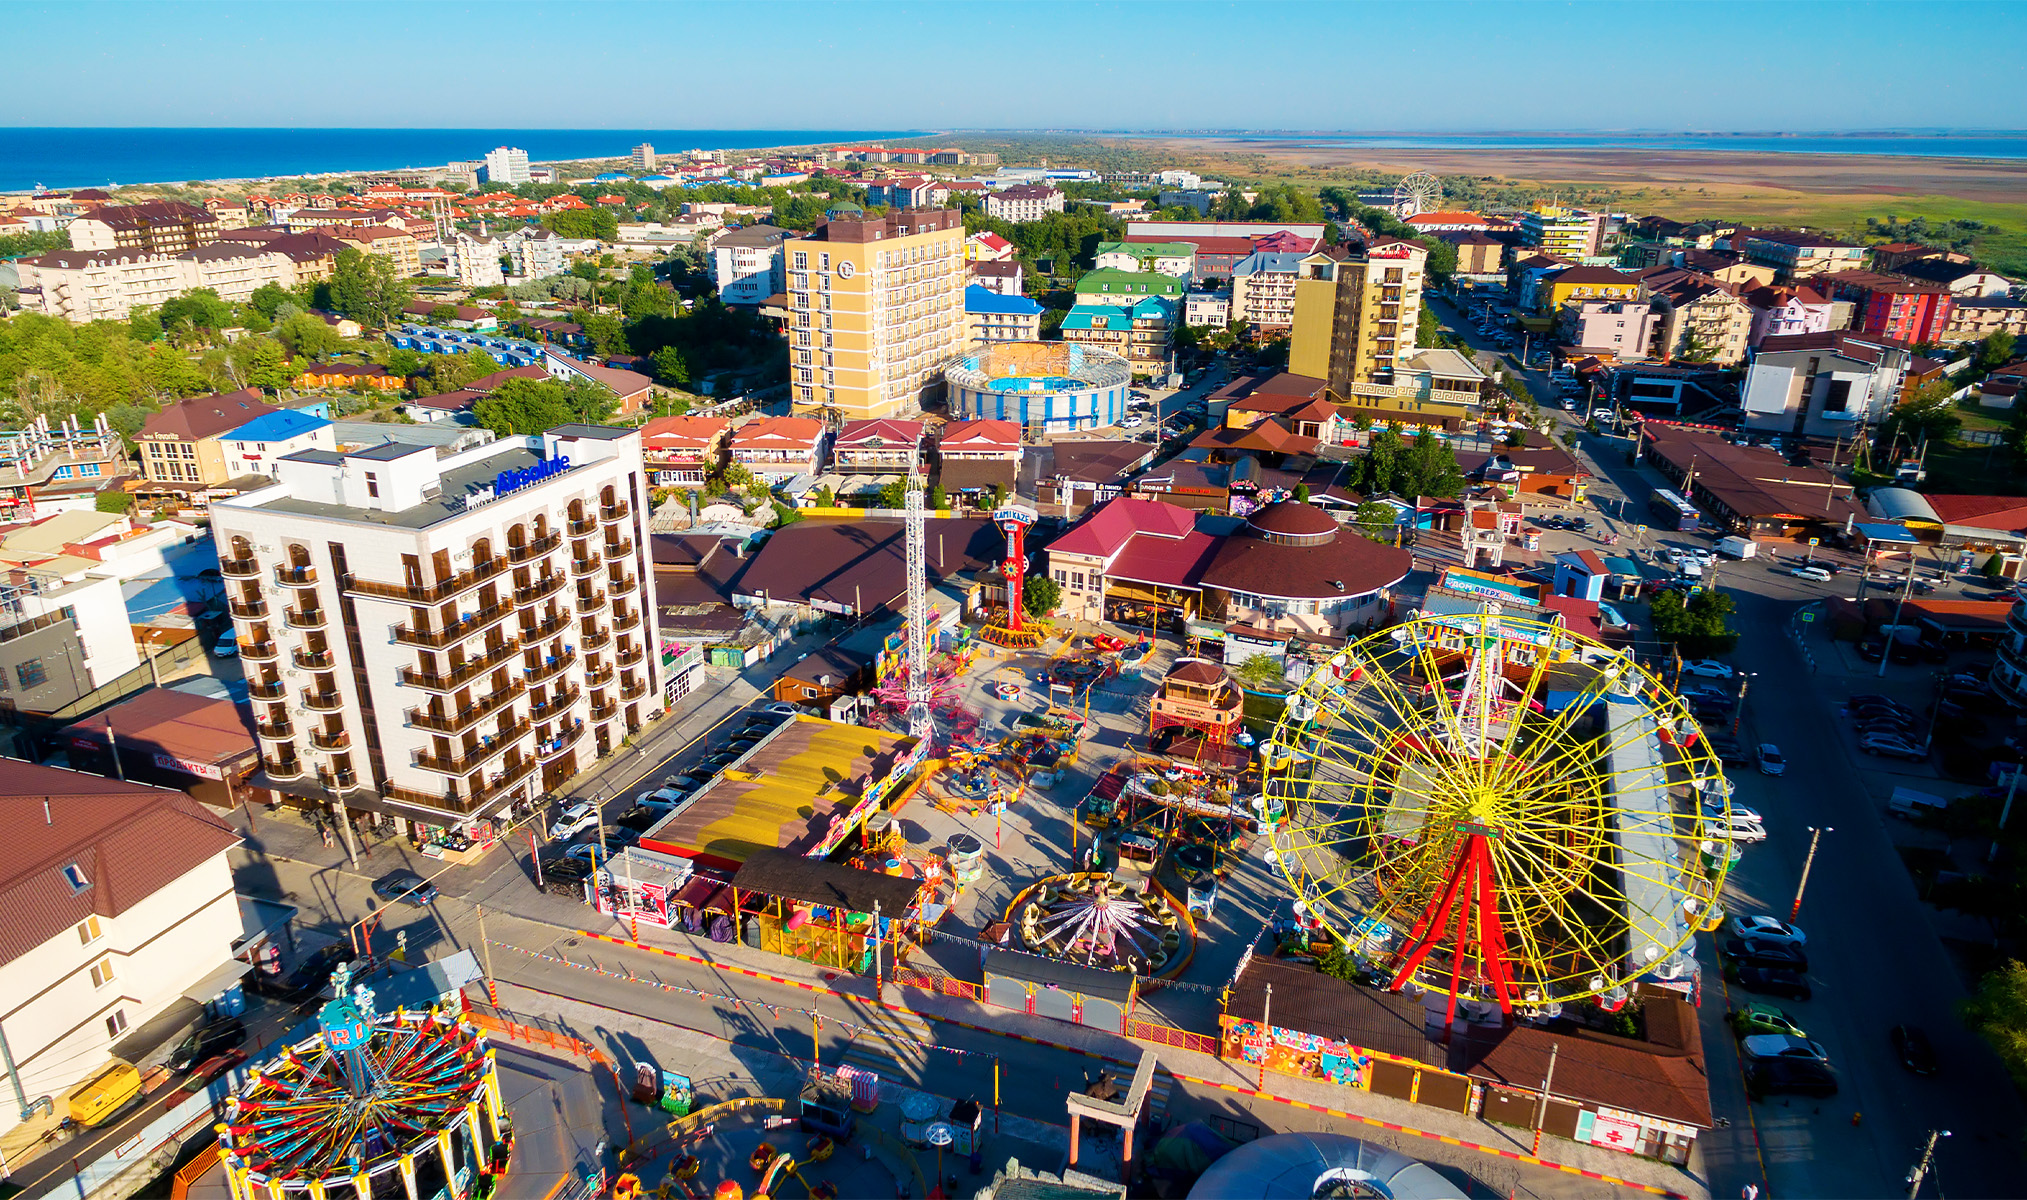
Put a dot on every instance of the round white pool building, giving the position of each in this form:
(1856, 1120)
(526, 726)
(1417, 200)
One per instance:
(1048, 387)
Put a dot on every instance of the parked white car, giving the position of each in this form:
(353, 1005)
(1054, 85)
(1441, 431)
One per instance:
(572, 821)
(1816, 573)
(1707, 668)
(1771, 760)
(1742, 831)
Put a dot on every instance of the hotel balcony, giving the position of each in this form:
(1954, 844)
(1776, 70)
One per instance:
(631, 656)
(581, 528)
(470, 715)
(556, 705)
(268, 689)
(535, 549)
(304, 618)
(457, 631)
(554, 747)
(323, 701)
(279, 731)
(259, 651)
(606, 711)
(462, 674)
(239, 568)
(283, 768)
(539, 590)
(589, 604)
(615, 512)
(626, 621)
(247, 609)
(633, 690)
(597, 639)
(465, 762)
(549, 628)
(339, 781)
(550, 667)
(623, 585)
(585, 566)
(296, 577)
(618, 549)
(434, 593)
(330, 739)
(598, 676)
(313, 660)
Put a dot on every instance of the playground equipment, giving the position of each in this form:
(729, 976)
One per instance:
(368, 1098)
(1501, 810)
(1094, 920)
(1011, 628)
(777, 1166)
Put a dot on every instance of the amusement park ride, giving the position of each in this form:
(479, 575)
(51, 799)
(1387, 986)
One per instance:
(1501, 811)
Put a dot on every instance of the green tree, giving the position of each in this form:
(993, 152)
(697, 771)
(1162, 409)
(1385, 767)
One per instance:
(267, 364)
(1429, 468)
(597, 223)
(608, 336)
(195, 316)
(449, 372)
(586, 270)
(406, 363)
(1994, 352)
(444, 313)
(937, 500)
(306, 336)
(1301, 493)
(1998, 1011)
(145, 323)
(1927, 412)
(669, 366)
(1040, 595)
(112, 500)
(894, 493)
(1701, 627)
(1995, 567)
(1428, 330)
(1375, 518)
(365, 288)
(1262, 673)
(1373, 472)
(16, 245)
(523, 406)
(1442, 261)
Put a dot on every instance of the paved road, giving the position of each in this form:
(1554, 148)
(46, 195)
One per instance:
(1875, 955)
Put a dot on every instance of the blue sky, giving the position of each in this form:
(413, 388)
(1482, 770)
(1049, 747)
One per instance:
(1162, 64)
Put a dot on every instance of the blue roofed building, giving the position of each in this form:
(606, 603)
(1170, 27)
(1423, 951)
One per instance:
(1137, 332)
(997, 318)
(253, 448)
(611, 177)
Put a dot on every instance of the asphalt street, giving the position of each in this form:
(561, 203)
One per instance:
(1875, 955)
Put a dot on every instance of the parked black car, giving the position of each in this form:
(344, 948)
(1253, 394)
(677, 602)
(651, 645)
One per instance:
(1913, 1048)
(309, 976)
(568, 870)
(1788, 1076)
(1771, 981)
(1757, 953)
(640, 818)
(206, 1040)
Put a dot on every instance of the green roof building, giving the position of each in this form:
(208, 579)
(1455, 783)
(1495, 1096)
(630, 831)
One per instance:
(1108, 286)
(1168, 258)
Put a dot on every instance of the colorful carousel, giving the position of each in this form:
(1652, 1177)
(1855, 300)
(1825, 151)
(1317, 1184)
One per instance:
(375, 1106)
(1094, 920)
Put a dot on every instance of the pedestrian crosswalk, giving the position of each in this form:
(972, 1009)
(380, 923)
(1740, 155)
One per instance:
(1159, 1089)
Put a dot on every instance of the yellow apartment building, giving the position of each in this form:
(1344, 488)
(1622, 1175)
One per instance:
(1356, 312)
(876, 310)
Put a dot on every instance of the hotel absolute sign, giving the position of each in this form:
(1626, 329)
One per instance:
(523, 477)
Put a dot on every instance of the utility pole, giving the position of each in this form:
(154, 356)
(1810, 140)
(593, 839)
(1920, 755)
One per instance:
(486, 948)
(1906, 586)
(2006, 810)
(1815, 836)
(1266, 1033)
(1541, 1106)
(1919, 1174)
(878, 976)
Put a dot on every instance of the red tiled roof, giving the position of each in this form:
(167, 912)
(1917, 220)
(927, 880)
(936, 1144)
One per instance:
(981, 435)
(776, 432)
(207, 416)
(667, 433)
(883, 430)
(1169, 562)
(1237, 247)
(1106, 531)
(1983, 512)
(128, 840)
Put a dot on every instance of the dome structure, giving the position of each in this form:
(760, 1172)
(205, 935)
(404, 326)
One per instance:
(1293, 523)
(1302, 1166)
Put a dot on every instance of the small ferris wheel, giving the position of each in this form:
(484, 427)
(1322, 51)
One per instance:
(1420, 192)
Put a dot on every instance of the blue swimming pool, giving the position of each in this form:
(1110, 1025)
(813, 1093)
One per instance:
(1032, 383)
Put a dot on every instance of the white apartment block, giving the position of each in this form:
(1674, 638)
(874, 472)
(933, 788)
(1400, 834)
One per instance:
(507, 165)
(1263, 288)
(535, 252)
(643, 158)
(746, 264)
(120, 903)
(1023, 203)
(475, 260)
(108, 285)
(442, 639)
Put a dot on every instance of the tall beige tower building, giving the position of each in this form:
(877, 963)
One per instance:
(1356, 312)
(876, 311)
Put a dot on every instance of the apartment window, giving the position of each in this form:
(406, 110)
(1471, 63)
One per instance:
(802, 260)
(31, 674)
(372, 485)
(88, 931)
(102, 972)
(117, 1023)
(1838, 397)
(74, 876)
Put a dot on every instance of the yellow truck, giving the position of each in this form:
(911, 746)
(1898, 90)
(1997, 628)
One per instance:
(107, 1091)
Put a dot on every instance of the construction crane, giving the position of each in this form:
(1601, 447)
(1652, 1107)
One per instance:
(920, 725)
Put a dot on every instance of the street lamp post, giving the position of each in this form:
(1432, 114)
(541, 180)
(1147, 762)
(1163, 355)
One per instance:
(1919, 1173)
(1815, 836)
(1738, 714)
(1906, 586)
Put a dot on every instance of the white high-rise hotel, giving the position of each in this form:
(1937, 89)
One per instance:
(438, 638)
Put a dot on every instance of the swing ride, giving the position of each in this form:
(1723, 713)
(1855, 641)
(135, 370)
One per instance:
(373, 1105)
(1094, 920)
(1500, 810)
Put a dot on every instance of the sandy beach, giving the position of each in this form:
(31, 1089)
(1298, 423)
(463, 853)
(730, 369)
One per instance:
(1998, 181)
